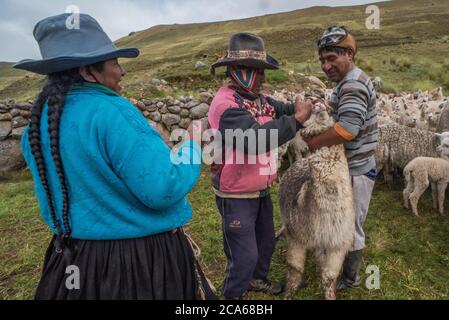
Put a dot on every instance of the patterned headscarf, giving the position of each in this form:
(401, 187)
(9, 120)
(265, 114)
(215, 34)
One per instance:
(244, 77)
(337, 37)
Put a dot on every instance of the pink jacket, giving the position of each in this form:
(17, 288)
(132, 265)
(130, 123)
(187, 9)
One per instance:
(241, 178)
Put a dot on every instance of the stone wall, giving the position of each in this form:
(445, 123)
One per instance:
(13, 119)
(175, 113)
(164, 114)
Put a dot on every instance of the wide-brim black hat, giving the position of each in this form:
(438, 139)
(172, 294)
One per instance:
(246, 49)
(65, 46)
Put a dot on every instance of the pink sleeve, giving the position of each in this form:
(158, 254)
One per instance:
(223, 100)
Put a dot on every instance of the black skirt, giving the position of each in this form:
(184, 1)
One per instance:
(159, 267)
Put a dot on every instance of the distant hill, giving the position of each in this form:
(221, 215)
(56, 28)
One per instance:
(18, 84)
(410, 51)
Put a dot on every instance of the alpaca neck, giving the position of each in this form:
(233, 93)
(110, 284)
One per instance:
(327, 161)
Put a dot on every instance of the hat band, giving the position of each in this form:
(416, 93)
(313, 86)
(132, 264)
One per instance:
(245, 54)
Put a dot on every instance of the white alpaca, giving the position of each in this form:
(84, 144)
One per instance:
(421, 172)
(317, 210)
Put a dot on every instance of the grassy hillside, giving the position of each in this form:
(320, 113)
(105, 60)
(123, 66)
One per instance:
(17, 83)
(408, 52)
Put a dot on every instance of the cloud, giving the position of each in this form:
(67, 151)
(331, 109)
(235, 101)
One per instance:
(120, 17)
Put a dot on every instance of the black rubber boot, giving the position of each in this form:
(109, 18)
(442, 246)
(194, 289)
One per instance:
(233, 298)
(351, 266)
(265, 285)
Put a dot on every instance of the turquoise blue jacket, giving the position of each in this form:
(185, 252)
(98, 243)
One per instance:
(121, 179)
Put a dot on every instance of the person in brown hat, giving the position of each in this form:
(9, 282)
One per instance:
(242, 188)
(353, 103)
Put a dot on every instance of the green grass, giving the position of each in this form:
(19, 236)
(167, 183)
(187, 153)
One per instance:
(411, 252)
(23, 238)
(276, 76)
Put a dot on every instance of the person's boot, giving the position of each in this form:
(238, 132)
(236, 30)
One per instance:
(264, 285)
(233, 298)
(351, 266)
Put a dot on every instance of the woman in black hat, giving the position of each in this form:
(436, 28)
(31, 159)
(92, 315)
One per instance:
(104, 178)
(242, 188)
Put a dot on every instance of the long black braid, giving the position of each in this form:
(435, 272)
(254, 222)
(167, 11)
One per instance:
(54, 92)
(34, 138)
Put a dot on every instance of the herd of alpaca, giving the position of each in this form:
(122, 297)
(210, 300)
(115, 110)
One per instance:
(315, 195)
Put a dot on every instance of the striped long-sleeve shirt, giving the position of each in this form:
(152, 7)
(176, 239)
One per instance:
(354, 108)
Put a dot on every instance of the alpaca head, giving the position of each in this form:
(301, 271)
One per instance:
(443, 148)
(319, 121)
(408, 119)
(432, 113)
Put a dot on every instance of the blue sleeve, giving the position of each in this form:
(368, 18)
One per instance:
(140, 157)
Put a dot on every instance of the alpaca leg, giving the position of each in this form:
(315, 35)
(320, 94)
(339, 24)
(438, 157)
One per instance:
(331, 262)
(421, 184)
(407, 191)
(280, 232)
(385, 172)
(441, 194)
(290, 155)
(296, 256)
(434, 187)
(388, 176)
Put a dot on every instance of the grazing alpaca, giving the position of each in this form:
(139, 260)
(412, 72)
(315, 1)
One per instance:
(317, 210)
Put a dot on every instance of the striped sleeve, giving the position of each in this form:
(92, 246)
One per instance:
(352, 110)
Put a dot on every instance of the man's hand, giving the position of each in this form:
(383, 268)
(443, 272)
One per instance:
(303, 110)
(328, 138)
(311, 143)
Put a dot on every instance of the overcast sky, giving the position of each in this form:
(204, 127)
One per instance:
(119, 17)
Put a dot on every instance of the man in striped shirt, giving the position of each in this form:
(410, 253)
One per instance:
(353, 103)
